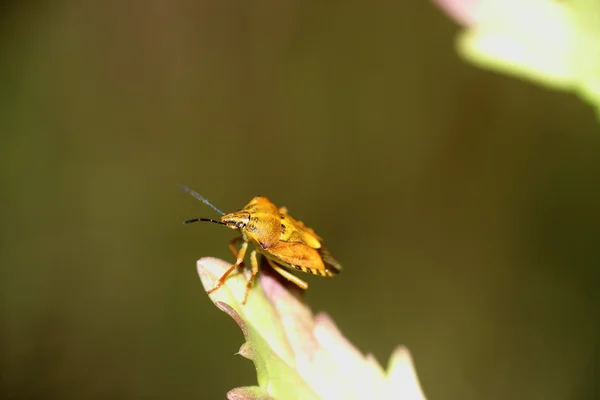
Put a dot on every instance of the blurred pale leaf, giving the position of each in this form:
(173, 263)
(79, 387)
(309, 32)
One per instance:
(550, 42)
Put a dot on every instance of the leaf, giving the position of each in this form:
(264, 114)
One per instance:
(298, 355)
(549, 42)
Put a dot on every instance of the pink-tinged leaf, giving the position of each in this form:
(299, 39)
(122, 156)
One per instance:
(465, 12)
(298, 355)
(554, 43)
(248, 393)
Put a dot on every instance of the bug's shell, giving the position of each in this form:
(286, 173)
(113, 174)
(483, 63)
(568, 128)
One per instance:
(282, 238)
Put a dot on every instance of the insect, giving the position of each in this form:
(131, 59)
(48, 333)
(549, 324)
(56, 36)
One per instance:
(284, 241)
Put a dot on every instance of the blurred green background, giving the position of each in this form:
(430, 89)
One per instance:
(462, 204)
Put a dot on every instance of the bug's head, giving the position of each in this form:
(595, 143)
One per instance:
(236, 220)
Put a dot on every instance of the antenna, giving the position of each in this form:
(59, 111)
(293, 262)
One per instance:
(189, 221)
(202, 199)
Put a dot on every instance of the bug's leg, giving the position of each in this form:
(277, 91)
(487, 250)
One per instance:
(290, 277)
(238, 261)
(232, 244)
(254, 263)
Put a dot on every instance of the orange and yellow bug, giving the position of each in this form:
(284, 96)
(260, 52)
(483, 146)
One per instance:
(282, 240)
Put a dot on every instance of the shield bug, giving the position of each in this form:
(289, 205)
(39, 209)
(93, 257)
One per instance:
(285, 242)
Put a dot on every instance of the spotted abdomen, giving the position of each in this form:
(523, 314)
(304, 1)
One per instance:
(320, 272)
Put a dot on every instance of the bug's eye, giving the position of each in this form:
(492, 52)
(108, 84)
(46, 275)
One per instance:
(240, 225)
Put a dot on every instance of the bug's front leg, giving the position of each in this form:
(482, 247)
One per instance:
(238, 261)
(232, 245)
(254, 263)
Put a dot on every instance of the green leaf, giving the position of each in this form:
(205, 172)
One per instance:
(298, 355)
(549, 42)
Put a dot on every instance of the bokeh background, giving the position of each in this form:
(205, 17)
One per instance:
(462, 204)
